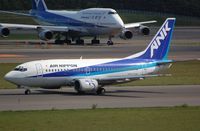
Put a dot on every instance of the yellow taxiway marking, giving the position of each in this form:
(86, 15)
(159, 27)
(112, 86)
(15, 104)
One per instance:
(11, 56)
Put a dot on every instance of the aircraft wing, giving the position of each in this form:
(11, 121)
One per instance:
(138, 24)
(34, 27)
(126, 79)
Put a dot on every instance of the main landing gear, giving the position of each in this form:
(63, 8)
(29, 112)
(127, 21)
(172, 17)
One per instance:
(27, 92)
(80, 42)
(110, 42)
(101, 91)
(62, 42)
(95, 41)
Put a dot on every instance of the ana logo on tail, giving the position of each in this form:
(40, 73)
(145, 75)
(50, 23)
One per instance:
(156, 43)
(37, 3)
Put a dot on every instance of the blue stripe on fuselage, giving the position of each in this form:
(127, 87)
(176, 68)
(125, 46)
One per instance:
(59, 20)
(107, 68)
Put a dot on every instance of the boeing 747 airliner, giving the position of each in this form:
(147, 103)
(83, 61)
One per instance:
(90, 75)
(72, 25)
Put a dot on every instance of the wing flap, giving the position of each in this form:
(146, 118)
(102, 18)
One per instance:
(15, 13)
(131, 78)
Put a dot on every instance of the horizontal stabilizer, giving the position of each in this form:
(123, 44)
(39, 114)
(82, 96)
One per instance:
(15, 13)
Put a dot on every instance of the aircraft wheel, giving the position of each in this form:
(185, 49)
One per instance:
(101, 91)
(110, 42)
(80, 42)
(27, 92)
(68, 42)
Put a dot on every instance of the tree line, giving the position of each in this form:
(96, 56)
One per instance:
(180, 7)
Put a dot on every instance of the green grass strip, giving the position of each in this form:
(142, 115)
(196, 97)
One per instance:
(137, 119)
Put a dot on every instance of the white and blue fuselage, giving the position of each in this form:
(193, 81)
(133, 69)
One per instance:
(58, 73)
(93, 21)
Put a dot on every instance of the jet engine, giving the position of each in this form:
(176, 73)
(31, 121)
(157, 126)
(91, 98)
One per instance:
(5, 32)
(46, 35)
(126, 34)
(144, 30)
(86, 85)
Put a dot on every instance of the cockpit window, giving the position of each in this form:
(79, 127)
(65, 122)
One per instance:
(20, 68)
(112, 12)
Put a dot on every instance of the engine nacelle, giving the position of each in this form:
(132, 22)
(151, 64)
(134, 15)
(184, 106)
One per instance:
(144, 30)
(46, 35)
(5, 32)
(126, 34)
(86, 85)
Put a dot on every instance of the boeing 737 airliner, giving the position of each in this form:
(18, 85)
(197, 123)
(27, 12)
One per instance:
(72, 25)
(90, 75)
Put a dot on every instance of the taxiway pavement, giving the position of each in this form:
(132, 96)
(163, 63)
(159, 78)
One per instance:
(116, 97)
(185, 45)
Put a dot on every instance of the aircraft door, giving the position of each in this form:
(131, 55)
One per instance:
(39, 70)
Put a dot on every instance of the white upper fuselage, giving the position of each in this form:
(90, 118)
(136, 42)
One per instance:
(93, 21)
(57, 73)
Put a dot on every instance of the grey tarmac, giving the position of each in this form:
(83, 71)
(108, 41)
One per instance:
(185, 45)
(115, 97)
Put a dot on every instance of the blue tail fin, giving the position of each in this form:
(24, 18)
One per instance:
(39, 5)
(34, 7)
(159, 46)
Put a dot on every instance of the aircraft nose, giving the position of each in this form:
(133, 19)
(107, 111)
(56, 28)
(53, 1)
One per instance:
(8, 76)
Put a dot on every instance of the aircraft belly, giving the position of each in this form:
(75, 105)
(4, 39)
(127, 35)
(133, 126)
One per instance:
(33, 82)
(54, 82)
(104, 31)
(45, 82)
